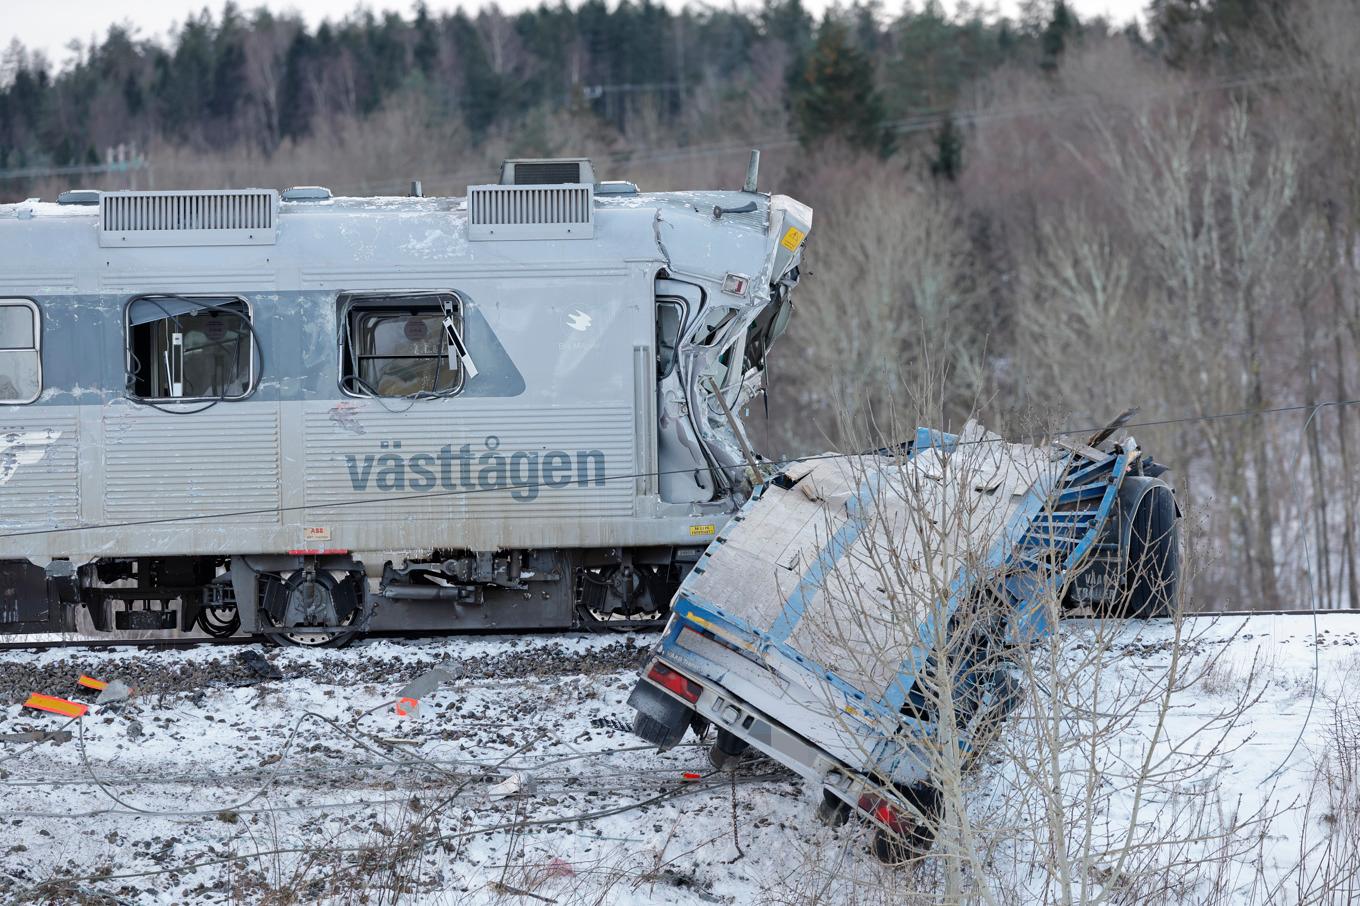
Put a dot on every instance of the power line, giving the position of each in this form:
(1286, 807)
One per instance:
(924, 122)
(632, 476)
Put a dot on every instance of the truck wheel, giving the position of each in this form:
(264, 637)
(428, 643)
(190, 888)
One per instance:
(834, 811)
(1154, 557)
(915, 841)
(726, 751)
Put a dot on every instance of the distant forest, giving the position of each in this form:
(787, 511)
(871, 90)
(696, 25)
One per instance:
(258, 79)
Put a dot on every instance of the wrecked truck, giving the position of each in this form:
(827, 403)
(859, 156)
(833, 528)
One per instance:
(860, 614)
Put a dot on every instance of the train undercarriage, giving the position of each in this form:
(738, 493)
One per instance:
(328, 599)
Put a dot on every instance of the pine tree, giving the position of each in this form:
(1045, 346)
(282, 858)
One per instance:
(948, 159)
(836, 97)
(1061, 26)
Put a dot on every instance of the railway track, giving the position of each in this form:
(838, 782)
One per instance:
(113, 644)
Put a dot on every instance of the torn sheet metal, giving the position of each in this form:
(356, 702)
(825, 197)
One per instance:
(408, 699)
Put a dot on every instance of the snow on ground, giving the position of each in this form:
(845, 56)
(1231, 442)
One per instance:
(215, 784)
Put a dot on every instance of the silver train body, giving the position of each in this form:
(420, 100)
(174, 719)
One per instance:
(313, 416)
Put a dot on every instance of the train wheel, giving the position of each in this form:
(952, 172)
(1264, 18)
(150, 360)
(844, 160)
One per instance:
(219, 622)
(310, 599)
(298, 634)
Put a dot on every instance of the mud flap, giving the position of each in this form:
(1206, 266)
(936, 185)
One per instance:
(660, 719)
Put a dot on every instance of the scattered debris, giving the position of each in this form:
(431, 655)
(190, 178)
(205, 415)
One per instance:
(113, 692)
(408, 699)
(54, 705)
(515, 783)
(56, 736)
(260, 665)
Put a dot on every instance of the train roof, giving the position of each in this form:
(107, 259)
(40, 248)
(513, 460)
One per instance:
(105, 239)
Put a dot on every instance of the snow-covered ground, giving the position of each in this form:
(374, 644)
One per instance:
(520, 781)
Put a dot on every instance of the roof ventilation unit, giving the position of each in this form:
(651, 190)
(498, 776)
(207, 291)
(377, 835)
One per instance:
(79, 197)
(558, 171)
(307, 193)
(226, 217)
(531, 212)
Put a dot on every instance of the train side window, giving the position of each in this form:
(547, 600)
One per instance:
(190, 348)
(403, 345)
(20, 351)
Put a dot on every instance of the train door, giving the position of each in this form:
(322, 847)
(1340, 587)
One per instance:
(684, 471)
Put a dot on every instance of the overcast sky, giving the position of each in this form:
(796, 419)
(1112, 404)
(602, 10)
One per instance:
(50, 25)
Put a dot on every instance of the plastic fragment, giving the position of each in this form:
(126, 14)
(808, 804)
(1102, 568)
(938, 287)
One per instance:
(114, 691)
(515, 783)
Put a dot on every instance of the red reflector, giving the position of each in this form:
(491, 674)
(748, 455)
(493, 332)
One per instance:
(316, 551)
(56, 705)
(681, 685)
(691, 775)
(885, 814)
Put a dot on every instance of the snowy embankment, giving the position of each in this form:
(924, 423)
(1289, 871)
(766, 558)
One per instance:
(519, 782)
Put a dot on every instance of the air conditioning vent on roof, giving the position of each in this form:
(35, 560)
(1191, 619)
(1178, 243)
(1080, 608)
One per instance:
(229, 217)
(547, 171)
(531, 212)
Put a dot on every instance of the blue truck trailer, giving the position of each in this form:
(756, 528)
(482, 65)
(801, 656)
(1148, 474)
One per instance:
(814, 628)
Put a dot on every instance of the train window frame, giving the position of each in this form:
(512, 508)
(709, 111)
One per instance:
(665, 364)
(35, 348)
(213, 299)
(414, 302)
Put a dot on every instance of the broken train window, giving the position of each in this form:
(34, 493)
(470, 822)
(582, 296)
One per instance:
(670, 317)
(190, 348)
(403, 344)
(20, 351)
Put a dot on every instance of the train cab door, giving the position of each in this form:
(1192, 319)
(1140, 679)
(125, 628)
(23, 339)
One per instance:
(684, 471)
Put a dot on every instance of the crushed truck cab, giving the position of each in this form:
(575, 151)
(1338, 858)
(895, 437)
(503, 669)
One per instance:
(813, 629)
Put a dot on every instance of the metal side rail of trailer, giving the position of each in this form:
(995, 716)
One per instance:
(789, 638)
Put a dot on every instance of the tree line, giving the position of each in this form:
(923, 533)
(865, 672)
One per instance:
(262, 79)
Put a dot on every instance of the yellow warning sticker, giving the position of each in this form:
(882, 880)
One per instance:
(792, 238)
(702, 529)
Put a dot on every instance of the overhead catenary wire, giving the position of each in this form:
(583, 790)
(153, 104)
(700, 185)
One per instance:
(1030, 437)
(921, 122)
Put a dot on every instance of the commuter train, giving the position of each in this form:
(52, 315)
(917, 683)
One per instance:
(309, 417)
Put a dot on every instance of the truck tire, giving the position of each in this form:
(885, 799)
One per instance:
(895, 849)
(833, 811)
(1154, 557)
(726, 751)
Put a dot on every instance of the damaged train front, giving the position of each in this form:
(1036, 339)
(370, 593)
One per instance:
(726, 297)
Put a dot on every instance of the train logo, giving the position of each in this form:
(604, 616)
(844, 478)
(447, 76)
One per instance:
(522, 472)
